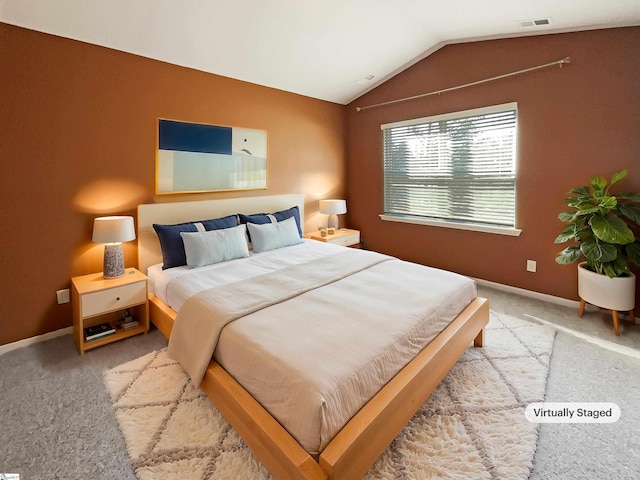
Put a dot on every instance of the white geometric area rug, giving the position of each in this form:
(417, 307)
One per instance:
(472, 426)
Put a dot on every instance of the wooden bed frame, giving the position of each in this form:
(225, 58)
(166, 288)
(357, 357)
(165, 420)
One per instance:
(365, 437)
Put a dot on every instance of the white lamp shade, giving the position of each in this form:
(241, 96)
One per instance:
(333, 207)
(113, 229)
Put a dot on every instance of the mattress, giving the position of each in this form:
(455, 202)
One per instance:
(314, 360)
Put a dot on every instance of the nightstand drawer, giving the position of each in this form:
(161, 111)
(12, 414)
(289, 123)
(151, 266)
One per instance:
(346, 240)
(113, 299)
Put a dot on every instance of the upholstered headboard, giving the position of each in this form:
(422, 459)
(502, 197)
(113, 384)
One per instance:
(149, 252)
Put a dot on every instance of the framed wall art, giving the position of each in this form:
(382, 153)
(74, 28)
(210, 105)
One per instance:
(195, 157)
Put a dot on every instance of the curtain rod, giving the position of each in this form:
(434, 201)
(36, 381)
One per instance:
(438, 92)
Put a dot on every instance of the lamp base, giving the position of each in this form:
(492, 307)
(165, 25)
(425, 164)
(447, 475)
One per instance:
(333, 221)
(113, 261)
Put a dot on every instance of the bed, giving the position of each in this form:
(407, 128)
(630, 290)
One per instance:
(348, 447)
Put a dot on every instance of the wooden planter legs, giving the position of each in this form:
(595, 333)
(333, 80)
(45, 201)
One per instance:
(614, 314)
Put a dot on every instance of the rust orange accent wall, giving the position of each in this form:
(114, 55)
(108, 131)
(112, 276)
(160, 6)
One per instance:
(78, 140)
(573, 123)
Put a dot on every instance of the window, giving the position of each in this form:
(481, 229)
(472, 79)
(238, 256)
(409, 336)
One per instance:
(456, 170)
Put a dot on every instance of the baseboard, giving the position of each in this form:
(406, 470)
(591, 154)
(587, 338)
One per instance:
(529, 293)
(37, 339)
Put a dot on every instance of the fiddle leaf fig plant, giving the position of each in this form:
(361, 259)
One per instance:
(603, 225)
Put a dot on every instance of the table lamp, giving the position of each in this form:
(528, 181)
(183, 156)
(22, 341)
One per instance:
(112, 231)
(333, 208)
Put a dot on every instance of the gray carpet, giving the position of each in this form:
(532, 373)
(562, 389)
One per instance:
(584, 372)
(57, 423)
(55, 414)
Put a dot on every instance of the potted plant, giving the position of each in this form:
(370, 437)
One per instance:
(604, 226)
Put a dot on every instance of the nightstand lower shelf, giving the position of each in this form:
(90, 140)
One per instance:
(119, 335)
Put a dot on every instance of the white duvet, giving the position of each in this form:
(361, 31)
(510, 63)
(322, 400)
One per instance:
(316, 359)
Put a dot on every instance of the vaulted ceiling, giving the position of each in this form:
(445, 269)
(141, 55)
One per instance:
(334, 50)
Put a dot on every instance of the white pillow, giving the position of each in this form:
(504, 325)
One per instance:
(269, 236)
(215, 246)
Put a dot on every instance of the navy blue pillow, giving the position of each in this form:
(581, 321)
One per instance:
(220, 223)
(171, 243)
(262, 218)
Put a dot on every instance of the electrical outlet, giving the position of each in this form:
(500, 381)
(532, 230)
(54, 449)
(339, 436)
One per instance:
(531, 266)
(63, 296)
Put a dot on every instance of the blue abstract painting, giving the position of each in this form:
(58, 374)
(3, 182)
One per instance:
(194, 157)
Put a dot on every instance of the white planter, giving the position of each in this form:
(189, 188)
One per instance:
(611, 293)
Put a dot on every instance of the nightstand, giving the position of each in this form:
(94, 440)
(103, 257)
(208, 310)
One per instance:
(98, 300)
(343, 236)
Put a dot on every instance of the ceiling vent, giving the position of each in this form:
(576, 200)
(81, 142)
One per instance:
(542, 22)
(365, 80)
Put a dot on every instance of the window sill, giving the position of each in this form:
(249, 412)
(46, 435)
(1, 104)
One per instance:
(513, 232)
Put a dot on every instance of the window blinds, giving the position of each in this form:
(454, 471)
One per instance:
(457, 167)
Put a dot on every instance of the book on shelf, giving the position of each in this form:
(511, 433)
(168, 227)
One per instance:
(128, 324)
(98, 331)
